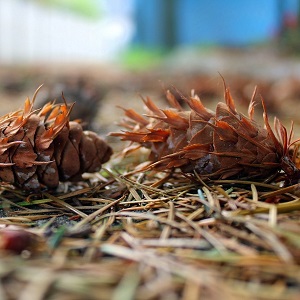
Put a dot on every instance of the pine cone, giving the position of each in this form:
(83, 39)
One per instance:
(220, 144)
(84, 92)
(39, 148)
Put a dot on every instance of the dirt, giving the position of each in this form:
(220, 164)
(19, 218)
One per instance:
(276, 76)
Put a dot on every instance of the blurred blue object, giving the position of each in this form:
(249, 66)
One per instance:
(169, 23)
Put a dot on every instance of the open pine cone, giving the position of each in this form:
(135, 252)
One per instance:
(39, 148)
(221, 144)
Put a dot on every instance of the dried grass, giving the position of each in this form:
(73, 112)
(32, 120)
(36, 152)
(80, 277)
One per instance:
(154, 236)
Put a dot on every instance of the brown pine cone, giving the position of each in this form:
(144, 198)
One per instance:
(39, 148)
(220, 144)
(84, 92)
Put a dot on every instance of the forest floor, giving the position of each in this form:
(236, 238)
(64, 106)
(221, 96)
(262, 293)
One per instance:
(125, 234)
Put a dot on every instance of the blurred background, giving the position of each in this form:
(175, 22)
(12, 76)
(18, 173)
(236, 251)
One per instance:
(104, 53)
